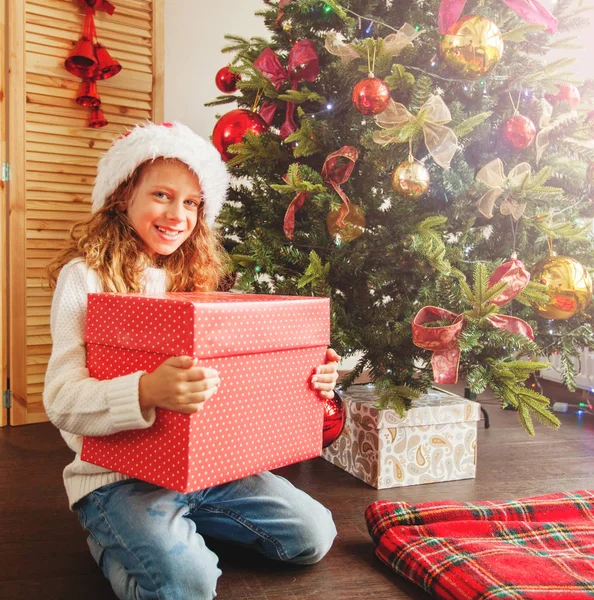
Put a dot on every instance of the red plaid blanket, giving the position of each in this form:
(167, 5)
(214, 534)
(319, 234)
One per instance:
(539, 548)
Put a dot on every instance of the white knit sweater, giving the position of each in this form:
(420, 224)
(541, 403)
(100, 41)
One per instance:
(76, 403)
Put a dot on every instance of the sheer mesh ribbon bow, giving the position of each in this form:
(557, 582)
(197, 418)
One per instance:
(440, 140)
(303, 65)
(444, 340)
(493, 177)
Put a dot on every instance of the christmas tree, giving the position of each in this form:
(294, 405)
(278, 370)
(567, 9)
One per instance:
(425, 166)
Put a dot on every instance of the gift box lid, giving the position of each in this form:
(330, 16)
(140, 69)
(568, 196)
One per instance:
(207, 324)
(432, 408)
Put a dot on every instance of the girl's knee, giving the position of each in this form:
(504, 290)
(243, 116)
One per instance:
(316, 537)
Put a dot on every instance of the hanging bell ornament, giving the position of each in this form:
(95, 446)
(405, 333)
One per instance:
(226, 80)
(471, 47)
(567, 93)
(81, 60)
(97, 119)
(371, 96)
(334, 419)
(517, 132)
(231, 128)
(569, 283)
(410, 178)
(106, 65)
(87, 95)
(354, 224)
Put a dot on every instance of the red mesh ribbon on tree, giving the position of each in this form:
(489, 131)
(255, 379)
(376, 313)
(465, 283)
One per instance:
(303, 65)
(335, 171)
(444, 340)
(529, 10)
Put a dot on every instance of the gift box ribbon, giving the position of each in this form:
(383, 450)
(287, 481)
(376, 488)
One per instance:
(444, 340)
(303, 65)
(104, 5)
(335, 171)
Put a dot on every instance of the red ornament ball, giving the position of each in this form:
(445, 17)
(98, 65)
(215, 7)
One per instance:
(568, 93)
(518, 132)
(226, 80)
(371, 96)
(334, 418)
(231, 128)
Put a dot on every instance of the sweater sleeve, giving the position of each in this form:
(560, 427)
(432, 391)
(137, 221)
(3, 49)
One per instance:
(74, 401)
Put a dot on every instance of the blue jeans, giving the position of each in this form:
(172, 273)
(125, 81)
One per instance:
(148, 540)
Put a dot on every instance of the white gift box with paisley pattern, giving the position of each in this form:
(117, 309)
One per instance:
(435, 441)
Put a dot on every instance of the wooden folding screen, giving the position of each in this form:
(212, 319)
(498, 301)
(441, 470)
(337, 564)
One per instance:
(53, 154)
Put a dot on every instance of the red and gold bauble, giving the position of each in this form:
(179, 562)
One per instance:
(410, 178)
(518, 132)
(334, 418)
(231, 128)
(568, 93)
(569, 285)
(226, 80)
(472, 46)
(354, 224)
(371, 96)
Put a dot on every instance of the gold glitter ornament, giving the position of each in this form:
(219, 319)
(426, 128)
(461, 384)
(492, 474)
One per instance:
(410, 178)
(354, 224)
(472, 47)
(569, 283)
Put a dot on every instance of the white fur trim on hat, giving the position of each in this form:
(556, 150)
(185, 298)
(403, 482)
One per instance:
(169, 140)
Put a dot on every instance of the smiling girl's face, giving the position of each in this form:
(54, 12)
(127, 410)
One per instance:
(165, 206)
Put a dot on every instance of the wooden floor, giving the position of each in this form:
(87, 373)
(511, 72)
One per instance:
(43, 553)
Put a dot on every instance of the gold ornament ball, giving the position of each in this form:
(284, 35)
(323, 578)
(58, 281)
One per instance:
(569, 283)
(354, 224)
(410, 178)
(472, 47)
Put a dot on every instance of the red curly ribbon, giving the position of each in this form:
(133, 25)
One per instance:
(529, 10)
(335, 171)
(303, 65)
(444, 340)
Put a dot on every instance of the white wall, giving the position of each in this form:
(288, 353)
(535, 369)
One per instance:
(194, 31)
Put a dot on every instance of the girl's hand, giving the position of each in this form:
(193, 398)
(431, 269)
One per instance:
(177, 384)
(326, 375)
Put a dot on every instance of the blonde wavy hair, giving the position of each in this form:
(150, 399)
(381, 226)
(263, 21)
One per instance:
(109, 244)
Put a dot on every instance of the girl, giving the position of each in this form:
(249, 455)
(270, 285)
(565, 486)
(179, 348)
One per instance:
(158, 191)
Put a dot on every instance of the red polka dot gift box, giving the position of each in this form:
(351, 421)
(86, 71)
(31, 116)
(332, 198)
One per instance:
(265, 414)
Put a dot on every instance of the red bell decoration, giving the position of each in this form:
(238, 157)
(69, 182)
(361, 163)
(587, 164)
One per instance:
(568, 93)
(517, 132)
(226, 80)
(81, 61)
(334, 418)
(97, 118)
(88, 96)
(106, 66)
(371, 96)
(231, 128)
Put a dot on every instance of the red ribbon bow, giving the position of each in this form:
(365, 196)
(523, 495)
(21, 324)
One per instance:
(104, 5)
(335, 172)
(529, 10)
(444, 340)
(303, 65)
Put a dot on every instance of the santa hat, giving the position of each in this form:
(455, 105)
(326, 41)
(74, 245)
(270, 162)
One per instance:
(168, 140)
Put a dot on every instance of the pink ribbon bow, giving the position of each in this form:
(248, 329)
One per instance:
(444, 340)
(529, 10)
(303, 65)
